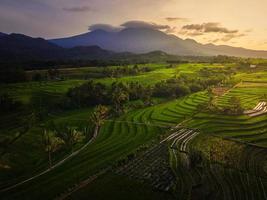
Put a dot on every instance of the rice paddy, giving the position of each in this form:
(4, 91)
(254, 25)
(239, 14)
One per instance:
(168, 133)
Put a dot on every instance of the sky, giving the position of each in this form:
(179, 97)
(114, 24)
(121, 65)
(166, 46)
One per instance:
(230, 22)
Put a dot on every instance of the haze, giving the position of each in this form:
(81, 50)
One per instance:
(231, 22)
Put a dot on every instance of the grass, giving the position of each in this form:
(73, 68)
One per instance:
(118, 187)
(242, 127)
(25, 91)
(124, 135)
(161, 73)
(26, 155)
(244, 178)
(117, 139)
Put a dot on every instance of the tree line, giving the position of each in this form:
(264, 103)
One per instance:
(119, 93)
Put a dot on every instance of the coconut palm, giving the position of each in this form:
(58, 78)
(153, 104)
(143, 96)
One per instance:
(98, 117)
(51, 144)
(69, 135)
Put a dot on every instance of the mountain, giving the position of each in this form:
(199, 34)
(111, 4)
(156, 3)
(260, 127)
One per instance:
(21, 47)
(88, 52)
(18, 46)
(136, 40)
(142, 40)
(2, 34)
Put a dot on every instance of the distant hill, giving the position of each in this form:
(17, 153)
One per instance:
(131, 45)
(143, 40)
(22, 47)
(17, 49)
(2, 34)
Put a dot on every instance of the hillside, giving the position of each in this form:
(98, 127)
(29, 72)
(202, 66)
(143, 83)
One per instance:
(21, 47)
(142, 40)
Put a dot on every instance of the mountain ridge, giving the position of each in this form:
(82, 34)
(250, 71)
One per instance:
(143, 40)
(21, 47)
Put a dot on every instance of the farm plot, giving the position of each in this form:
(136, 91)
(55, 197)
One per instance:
(25, 91)
(117, 139)
(260, 108)
(249, 129)
(181, 138)
(236, 171)
(152, 167)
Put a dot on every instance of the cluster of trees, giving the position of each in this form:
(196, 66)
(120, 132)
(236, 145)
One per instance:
(125, 70)
(61, 136)
(183, 85)
(92, 94)
(118, 94)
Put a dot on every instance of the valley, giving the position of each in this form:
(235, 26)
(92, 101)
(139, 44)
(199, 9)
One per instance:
(180, 141)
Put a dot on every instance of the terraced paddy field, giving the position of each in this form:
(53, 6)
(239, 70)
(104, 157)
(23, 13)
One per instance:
(113, 186)
(250, 129)
(117, 139)
(226, 170)
(236, 168)
(162, 72)
(138, 128)
(24, 154)
(255, 76)
(25, 91)
(50, 89)
(89, 72)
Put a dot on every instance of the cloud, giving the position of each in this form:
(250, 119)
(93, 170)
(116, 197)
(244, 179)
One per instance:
(190, 33)
(143, 24)
(78, 9)
(222, 34)
(105, 27)
(175, 19)
(209, 27)
(134, 24)
(229, 37)
(171, 30)
(195, 34)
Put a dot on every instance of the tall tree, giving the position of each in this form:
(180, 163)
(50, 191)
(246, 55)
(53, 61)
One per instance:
(97, 118)
(146, 94)
(235, 105)
(51, 144)
(120, 95)
(69, 135)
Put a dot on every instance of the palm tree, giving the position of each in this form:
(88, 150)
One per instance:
(118, 98)
(69, 135)
(51, 144)
(98, 117)
(146, 94)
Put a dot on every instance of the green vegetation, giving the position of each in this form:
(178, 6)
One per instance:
(48, 119)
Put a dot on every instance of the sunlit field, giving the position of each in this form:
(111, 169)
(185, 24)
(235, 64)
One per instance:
(168, 124)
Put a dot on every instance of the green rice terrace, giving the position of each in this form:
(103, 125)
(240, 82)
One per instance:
(166, 131)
